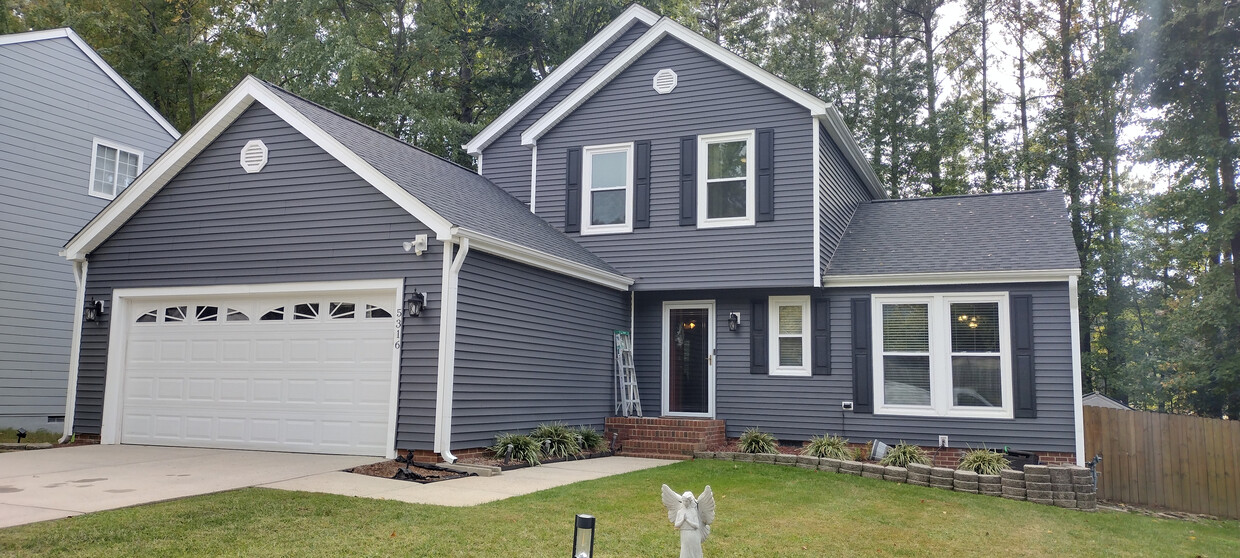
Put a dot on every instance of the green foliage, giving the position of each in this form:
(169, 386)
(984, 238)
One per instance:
(902, 454)
(589, 439)
(829, 446)
(983, 462)
(756, 441)
(32, 436)
(524, 448)
(556, 440)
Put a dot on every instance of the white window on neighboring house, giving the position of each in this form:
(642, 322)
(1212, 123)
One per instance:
(789, 317)
(726, 192)
(942, 355)
(607, 187)
(112, 168)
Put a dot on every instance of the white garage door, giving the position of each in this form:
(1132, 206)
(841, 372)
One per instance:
(310, 373)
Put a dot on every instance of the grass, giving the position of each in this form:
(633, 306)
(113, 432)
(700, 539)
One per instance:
(763, 510)
(9, 435)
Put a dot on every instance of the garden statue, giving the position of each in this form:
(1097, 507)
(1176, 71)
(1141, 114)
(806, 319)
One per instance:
(692, 516)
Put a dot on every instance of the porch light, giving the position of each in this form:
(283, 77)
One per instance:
(93, 310)
(415, 302)
(583, 537)
(734, 321)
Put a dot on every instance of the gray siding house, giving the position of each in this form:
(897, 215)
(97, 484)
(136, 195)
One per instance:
(72, 135)
(286, 278)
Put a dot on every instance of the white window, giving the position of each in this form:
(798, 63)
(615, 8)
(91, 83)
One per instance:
(941, 354)
(112, 168)
(789, 339)
(607, 188)
(725, 196)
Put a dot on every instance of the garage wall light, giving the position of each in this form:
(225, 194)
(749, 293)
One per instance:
(415, 303)
(417, 245)
(93, 310)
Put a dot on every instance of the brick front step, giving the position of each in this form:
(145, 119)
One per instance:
(666, 438)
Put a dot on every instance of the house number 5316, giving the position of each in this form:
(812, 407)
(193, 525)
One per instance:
(400, 322)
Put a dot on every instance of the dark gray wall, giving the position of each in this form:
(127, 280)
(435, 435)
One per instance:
(841, 190)
(710, 98)
(796, 408)
(506, 162)
(53, 102)
(305, 217)
(531, 347)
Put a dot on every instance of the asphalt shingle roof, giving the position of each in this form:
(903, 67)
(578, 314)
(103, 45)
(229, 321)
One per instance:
(459, 195)
(1017, 231)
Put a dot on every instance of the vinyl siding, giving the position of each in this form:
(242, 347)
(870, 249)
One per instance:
(796, 408)
(841, 190)
(55, 101)
(508, 163)
(532, 347)
(710, 98)
(305, 217)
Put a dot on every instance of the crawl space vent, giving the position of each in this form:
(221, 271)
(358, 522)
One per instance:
(665, 81)
(254, 156)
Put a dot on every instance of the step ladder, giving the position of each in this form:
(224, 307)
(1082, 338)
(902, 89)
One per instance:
(627, 401)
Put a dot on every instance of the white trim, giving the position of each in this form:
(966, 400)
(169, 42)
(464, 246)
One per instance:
(253, 167)
(948, 278)
(940, 355)
(94, 57)
(587, 192)
(1078, 411)
(773, 367)
(117, 188)
(528, 256)
(533, 180)
(562, 73)
(447, 349)
(394, 395)
(751, 195)
(479, 158)
(667, 27)
(709, 306)
(817, 202)
(843, 137)
(114, 373)
(444, 332)
(75, 345)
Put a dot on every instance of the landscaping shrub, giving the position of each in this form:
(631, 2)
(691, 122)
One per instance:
(983, 462)
(524, 448)
(556, 440)
(902, 454)
(757, 441)
(589, 439)
(833, 447)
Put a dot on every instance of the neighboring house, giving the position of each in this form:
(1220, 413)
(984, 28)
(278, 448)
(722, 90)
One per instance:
(259, 280)
(73, 134)
(1095, 399)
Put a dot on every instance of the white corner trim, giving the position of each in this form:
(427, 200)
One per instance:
(522, 254)
(479, 157)
(534, 180)
(949, 278)
(843, 137)
(562, 73)
(447, 349)
(817, 202)
(1077, 410)
(394, 387)
(75, 347)
(667, 27)
(114, 372)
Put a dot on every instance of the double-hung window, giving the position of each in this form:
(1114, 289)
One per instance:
(112, 168)
(725, 195)
(607, 175)
(789, 339)
(945, 355)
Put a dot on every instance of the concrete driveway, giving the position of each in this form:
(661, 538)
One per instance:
(54, 483)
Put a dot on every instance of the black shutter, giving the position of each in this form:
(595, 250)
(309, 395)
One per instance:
(766, 175)
(822, 337)
(572, 196)
(1023, 384)
(758, 358)
(641, 185)
(863, 371)
(688, 180)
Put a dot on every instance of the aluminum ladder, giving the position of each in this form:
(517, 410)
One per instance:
(627, 401)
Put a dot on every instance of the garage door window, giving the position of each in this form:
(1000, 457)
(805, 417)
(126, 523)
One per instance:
(342, 310)
(207, 313)
(306, 311)
(275, 314)
(237, 316)
(373, 311)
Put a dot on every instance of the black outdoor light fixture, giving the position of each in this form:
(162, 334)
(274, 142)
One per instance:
(93, 310)
(583, 537)
(415, 302)
(734, 321)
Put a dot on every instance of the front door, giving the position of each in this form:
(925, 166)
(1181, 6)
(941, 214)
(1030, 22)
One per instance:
(688, 353)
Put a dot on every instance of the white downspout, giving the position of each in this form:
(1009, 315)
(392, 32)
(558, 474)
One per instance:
(447, 350)
(75, 348)
(1078, 412)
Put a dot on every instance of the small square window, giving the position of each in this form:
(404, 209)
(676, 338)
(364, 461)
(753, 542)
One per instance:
(726, 191)
(607, 189)
(789, 342)
(112, 168)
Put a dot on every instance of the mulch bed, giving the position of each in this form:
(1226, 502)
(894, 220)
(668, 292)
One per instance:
(493, 462)
(391, 469)
(735, 446)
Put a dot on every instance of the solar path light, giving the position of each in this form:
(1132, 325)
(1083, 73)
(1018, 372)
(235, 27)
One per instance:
(583, 537)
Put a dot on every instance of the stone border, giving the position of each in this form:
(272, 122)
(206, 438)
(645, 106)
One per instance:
(1067, 487)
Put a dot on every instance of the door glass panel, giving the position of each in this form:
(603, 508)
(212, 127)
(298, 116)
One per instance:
(688, 366)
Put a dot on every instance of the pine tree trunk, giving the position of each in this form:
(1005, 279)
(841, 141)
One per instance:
(1068, 96)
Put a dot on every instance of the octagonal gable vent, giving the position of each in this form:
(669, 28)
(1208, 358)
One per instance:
(254, 156)
(665, 81)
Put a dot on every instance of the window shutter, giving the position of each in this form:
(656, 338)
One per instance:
(688, 180)
(1023, 385)
(863, 371)
(758, 357)
(641, 185)
(766, 174)
(572, 194)
(822, 337)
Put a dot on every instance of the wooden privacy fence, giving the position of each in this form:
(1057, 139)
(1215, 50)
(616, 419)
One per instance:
(1177, 462)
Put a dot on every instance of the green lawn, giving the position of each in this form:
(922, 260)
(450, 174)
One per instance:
(763, 510)
(32, 437)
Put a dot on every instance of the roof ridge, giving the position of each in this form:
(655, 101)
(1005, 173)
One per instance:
(958, 196)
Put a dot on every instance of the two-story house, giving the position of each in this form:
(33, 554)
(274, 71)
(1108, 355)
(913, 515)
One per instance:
(73, 134)
(287, 278)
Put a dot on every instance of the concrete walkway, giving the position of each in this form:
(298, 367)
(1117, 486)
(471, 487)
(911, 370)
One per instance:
(469, 491)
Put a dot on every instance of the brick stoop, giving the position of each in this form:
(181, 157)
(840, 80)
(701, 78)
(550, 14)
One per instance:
(664, 438)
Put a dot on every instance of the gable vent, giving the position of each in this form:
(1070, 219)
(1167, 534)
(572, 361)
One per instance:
(665, 81)
(254, 156)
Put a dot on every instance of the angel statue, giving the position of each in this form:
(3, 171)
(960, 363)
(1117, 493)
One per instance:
(692, 516)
